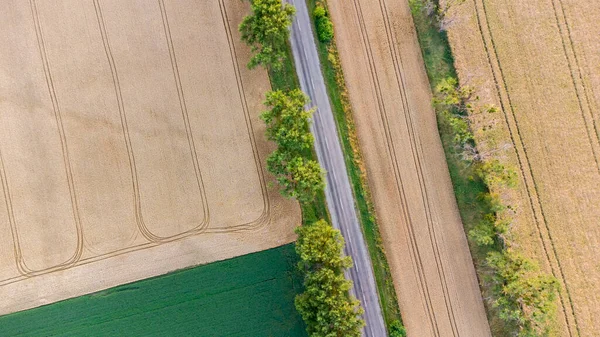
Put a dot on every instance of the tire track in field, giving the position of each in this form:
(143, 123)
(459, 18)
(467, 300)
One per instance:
(20, 262)
(580, 74)
(525, 165)
(572, 71)
(186, 119)
(266, 212)
(203, 227)
(263, 219)
(418, 156)
(125, 127)
(416, 254)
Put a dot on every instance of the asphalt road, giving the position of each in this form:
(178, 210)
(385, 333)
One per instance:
(340, 200)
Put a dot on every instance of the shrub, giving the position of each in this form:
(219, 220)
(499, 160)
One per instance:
(323, 24)
(397, 329)
(524, 295)
(494, 173)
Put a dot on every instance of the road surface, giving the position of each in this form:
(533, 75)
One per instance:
(340, 199)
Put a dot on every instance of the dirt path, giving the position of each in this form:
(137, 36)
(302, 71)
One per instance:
(130, 145)
(538, 61)
(408, 176)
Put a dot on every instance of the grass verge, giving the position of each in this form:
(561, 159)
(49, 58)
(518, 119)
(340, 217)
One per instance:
(255, 291)
(334, 80)
(287, 79)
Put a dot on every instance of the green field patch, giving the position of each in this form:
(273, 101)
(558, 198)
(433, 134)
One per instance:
(251, 295)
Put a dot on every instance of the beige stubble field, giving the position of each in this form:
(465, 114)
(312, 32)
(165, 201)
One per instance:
(130, 145)
(407, 174)
(539, 61)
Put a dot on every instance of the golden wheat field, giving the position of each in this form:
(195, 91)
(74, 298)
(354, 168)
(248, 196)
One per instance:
(421, 229)
(539, 61)
(114, 162)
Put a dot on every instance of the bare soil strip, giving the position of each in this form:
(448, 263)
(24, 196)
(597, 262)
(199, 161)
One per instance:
(421, 229)
(528, 59)
(130, 145)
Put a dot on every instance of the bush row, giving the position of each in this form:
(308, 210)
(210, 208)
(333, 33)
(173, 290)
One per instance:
(523, 295)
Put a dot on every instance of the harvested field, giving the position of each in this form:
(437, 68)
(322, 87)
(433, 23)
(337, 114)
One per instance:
(130, 145)
(419, 221)
(539, 62)
(255, 291)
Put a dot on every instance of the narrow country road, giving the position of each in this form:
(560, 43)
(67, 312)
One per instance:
(340, 199)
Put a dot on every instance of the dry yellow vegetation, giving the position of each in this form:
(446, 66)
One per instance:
(421, 229)
(539, 62)
(130, 145)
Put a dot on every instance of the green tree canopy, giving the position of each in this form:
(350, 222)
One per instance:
(326, 307)
(319, 246)
(299, 177)
(288, 124)
(266, 32)
(526, 296)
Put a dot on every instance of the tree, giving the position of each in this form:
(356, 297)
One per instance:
(299, 177)
(320, 246)
(288, 124)
(525, 296)
(325, 306)
(266, 31)
(323, 24)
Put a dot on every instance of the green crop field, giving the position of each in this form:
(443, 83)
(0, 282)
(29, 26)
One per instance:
(251, 295)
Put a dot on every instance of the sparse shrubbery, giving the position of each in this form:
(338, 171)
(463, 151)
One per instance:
(524, 296)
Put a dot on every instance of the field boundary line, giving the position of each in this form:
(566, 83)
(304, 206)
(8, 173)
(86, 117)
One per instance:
(526, 171)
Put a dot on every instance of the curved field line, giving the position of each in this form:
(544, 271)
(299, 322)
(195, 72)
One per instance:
(266, 212)
(524, 164)
(137, 198)
(263, 219)
(19, 260)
